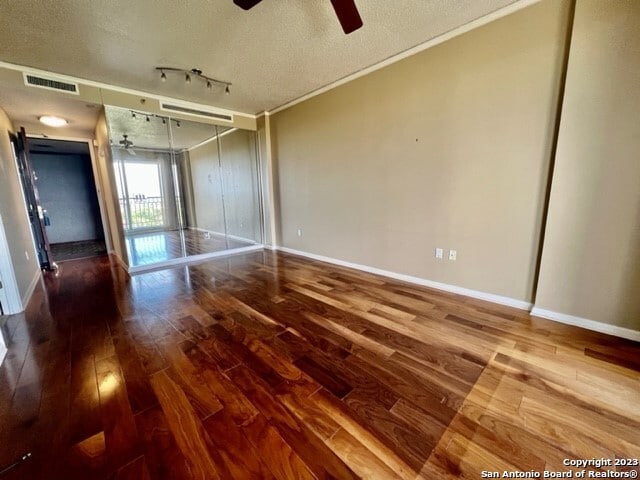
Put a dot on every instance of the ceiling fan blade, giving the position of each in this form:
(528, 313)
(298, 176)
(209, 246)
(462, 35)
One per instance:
(246, 4)
(347, 13)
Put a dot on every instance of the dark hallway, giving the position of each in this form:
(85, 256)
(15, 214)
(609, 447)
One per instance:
(67, 188)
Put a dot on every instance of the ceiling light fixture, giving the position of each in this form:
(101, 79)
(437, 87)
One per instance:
(195, 72)
(53, 121)
(149, 116)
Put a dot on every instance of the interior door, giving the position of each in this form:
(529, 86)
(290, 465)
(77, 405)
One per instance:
(30, 189)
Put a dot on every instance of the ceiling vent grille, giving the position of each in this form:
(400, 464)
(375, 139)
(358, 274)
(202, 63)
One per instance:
(50, 84)
(199, 113)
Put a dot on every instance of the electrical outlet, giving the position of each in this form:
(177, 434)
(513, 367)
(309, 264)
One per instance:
(452, 254)
(439, 253)
(299, 232)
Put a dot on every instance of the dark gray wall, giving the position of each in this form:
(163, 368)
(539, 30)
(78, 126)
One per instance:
(67, 191)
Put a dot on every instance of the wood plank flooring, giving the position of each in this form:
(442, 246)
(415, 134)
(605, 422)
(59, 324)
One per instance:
(153, 247)
(273, 366)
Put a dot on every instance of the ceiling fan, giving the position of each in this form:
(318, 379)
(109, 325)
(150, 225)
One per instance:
(346, 11)
(127, 144)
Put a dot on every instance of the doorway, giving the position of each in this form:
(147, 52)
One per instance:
(64, 177)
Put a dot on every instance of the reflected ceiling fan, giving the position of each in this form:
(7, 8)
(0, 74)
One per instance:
(346, 11)
(127, 144)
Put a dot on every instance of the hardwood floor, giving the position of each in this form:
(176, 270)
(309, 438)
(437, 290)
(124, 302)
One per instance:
(153, 247)
(272, 366)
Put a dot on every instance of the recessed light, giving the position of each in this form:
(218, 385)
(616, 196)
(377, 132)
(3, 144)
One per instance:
(52, 121)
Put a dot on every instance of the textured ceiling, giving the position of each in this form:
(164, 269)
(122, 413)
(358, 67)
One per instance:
(25, 105)
(154, 134)
(276, 52)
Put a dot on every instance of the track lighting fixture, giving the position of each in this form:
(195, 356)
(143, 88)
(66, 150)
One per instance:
(149, 116)
(197, 73)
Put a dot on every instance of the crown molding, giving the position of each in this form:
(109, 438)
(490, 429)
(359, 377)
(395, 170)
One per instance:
(432, 42)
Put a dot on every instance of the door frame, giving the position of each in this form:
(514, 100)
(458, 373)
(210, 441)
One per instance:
(97, 180)
(10, 294)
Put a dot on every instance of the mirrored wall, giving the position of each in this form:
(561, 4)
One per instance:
(186, 190)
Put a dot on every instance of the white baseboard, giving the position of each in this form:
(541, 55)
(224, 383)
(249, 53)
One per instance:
(587, 323)
(31, 288)
(220, 234)
(174, 262)
(118, 260)
(490, 297)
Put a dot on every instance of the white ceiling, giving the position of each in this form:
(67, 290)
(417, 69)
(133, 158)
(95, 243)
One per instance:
(276, 52)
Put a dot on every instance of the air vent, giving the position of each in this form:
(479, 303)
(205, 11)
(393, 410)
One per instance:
(50, 84)
(193, 111)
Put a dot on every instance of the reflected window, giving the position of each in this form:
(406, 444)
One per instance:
(140, 196)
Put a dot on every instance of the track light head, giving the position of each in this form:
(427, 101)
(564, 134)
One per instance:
(177, 123)
(148, 118)
(209, 82)
(133, 115)
(164, 121)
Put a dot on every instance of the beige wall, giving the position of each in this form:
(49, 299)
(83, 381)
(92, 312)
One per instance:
(108, 187)
(448, 148)
(239, 185)
(269, 181)
(591, 255)
(206, 188)
(240, 175)
(12, 207)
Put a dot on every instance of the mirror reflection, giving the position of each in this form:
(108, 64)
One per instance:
(185, 189)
